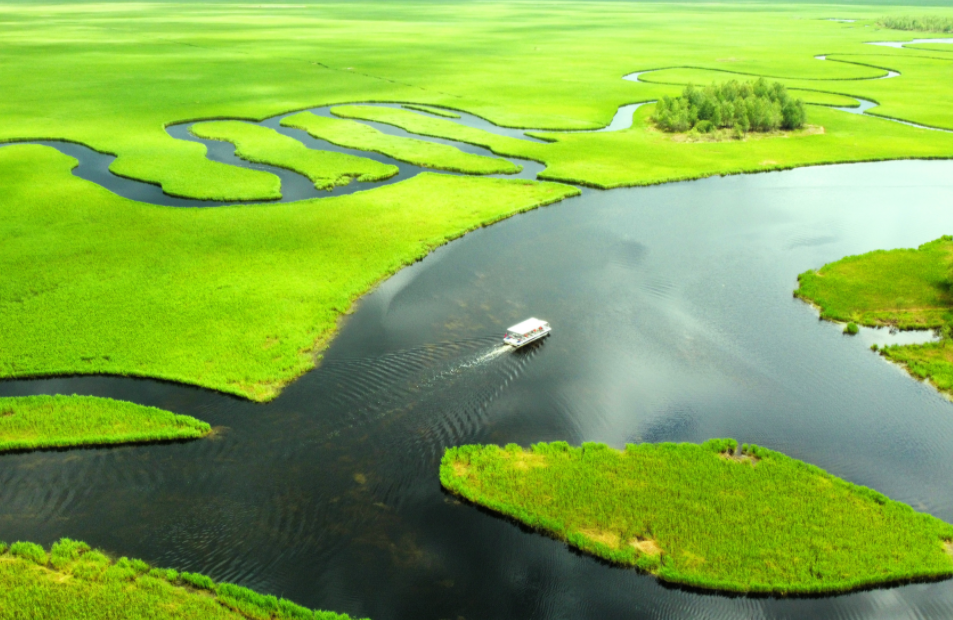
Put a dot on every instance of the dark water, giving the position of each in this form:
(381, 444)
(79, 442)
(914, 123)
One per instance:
(673, 321)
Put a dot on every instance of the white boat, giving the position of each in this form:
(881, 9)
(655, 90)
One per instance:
(526, 332)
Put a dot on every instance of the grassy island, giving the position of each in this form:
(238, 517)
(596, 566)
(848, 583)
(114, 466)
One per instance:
(74, 581)
(36, 422)
(326, 169)
(353, 135)
(903, 288)
(707, 516)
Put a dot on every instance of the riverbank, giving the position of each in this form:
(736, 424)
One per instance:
(708, 516)
(38, 422)
(74, 581)
(237, 299)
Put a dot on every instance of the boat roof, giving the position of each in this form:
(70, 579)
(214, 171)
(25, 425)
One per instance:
(527, 326)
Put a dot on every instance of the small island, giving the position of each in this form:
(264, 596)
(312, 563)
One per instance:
(731, 109)
(74, 581)
(902, 289)
(38, 422)
(708, 516)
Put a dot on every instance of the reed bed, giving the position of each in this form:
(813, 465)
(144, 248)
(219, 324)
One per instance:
(74, 581)
(708, 516)
(37, 422)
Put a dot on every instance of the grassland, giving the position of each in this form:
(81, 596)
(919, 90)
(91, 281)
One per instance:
(36, 422)
(707, 515)
(74, 581)
(248, 298)
(112, 75)
(237, 299)
(326, 169)
(903, 288)
(418, 152)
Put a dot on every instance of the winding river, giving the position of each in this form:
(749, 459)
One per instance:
(674, 321)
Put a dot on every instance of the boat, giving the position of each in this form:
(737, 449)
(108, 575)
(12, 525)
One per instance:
(528, 331)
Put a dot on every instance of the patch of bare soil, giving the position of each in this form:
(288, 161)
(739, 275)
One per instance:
(460, 469)
(525, 460)
(646, 546)
(739, 457)
(609, 539)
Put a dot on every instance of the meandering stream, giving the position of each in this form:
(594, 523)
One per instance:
(673, 321)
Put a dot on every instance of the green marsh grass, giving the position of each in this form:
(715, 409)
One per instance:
(903, 288)
(113, 75)
(707, 516)
(75, 581)
(263, 145)
(239, 299)
(418, 152)
(36, 422)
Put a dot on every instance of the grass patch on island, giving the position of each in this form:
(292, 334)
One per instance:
(326, 169)
(418, 152)
(36, 422)
(707, 516)
(74, 581)
(903, 288)
(239, 299)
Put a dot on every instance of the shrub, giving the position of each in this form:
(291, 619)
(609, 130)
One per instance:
(3, 547)
(851, 329)
(65, 551)
(198, 580)
(29, 551)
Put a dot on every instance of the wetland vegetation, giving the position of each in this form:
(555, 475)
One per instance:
(36, 422)
(903, 289)
(708, 516)
(242, 299)
(73, 580)
(238, 299)
(921, 23)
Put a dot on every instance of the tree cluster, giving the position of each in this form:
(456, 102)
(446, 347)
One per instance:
(925, 23)
(742, 106)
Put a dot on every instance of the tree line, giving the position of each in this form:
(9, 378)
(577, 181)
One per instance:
(742, 106)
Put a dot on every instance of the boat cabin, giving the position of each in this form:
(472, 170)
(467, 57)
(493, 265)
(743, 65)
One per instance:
(526, 332)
